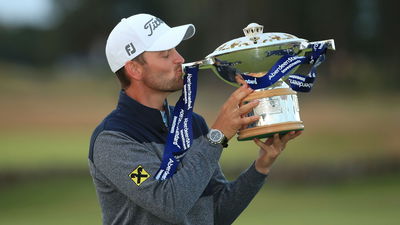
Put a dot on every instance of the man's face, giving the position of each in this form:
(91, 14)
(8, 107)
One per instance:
(163, 70)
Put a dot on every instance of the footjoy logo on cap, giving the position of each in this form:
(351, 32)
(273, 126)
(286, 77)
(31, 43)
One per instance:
(130, 49)
(152, 24)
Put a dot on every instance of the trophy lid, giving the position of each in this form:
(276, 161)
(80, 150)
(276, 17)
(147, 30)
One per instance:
(255, 53)
(255, 38)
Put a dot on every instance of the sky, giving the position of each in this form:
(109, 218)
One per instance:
(37, 13)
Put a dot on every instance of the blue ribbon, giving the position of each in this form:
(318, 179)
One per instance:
(285, 64)
(180, 135)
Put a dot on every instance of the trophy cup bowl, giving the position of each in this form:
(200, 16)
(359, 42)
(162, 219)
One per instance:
(278, 109)
(254, 55)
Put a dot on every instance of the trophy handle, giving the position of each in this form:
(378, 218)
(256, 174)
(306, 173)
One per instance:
(203, 64)
(306, 45)
(209, 63)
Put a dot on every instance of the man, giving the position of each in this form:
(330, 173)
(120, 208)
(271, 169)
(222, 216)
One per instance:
(127, 148)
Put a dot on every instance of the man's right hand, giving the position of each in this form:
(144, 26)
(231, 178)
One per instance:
(231, 116)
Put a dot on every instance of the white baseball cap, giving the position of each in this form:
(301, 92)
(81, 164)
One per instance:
(139, 33)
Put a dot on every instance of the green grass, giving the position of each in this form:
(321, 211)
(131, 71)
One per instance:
(72, 200)
(370, 201)
(44, 149)
(48, 123)
(51, 201)
(45, 126)
(64, 149)
(323, 148)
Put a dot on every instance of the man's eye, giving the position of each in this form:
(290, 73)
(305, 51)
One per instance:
(165, 54)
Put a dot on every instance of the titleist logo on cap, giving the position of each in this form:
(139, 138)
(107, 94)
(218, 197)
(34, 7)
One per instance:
(152, 24)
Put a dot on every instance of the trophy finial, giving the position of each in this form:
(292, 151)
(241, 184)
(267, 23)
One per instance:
(253, 30)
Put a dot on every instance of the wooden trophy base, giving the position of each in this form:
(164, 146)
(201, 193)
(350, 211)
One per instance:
(269, 130)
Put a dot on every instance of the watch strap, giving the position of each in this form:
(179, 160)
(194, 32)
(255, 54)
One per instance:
(224, 142)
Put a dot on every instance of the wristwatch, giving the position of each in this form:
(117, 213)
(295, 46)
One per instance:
(217, 137)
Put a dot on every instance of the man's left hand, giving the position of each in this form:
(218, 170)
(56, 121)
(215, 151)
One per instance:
(271, 149)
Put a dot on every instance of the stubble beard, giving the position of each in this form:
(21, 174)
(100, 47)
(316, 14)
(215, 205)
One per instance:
(169, 86)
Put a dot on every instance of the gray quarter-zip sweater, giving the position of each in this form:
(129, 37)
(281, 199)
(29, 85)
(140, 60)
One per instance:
(125, 153)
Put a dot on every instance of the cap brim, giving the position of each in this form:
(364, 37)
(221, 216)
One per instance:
(173, 37)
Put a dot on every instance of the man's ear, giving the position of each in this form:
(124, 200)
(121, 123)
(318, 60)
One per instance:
(134, 70)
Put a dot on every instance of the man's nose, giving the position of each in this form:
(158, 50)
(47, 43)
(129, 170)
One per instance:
(178, 58)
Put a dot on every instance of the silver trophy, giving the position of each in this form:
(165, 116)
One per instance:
(254, 55)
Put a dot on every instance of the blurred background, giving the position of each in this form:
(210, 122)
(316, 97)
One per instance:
(55, 87)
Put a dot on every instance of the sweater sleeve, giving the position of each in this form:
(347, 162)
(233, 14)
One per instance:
(117, 156)
(231, 198)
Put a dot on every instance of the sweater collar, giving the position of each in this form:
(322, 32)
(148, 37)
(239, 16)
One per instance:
(136, 111)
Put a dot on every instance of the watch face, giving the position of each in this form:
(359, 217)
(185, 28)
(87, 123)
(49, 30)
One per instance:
(216, 136)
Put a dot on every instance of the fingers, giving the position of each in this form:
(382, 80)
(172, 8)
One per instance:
(246, 108)
(298, 133)
(238, 95)
(287, 136)
(262, 144)
(239, 79)
(277, 141)
(291, 135)
(269, 141)
(259, 143)
(249, 119)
